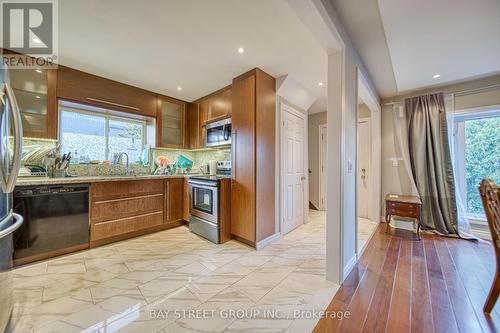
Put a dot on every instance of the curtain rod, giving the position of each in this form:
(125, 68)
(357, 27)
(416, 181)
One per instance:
(460, 92)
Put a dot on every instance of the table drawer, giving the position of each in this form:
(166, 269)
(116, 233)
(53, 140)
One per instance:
(401, 205)
(404, 212)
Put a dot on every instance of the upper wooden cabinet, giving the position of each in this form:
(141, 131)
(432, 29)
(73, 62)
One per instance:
(171, 123)
(195, 129)
(35, 91)
(216, 106)
(86, 88)
(220, 105)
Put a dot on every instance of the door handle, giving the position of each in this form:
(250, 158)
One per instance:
(302, 178)
(19, 221)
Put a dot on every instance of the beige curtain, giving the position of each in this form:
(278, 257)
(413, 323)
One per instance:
(431, 162)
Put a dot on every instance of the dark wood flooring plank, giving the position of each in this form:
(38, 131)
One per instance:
(362, 298)
(421, 311)
(466, 264)
(376, 319)
(442, 311)
(465, 315)
(399, 313)
(347, 290)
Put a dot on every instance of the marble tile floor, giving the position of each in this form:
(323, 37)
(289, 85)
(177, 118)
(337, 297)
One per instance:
(174, 281)
(366, 228)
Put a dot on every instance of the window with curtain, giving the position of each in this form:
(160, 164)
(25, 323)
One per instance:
(477, 156)
(100, 136)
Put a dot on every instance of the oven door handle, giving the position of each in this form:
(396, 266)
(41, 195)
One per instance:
(206, 186)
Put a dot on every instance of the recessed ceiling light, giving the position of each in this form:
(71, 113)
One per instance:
(320, 84)
(436, 76)
(179, 88)
(241, 50)
(36, 40)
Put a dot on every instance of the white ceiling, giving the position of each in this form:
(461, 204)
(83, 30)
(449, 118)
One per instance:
(404, 43)
(160, 45)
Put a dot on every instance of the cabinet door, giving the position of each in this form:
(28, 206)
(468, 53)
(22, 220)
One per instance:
(171, 121)
(220, 105)
(173, 199)
(243, 164)
(35, 91)
(193, 122)
(86, 88)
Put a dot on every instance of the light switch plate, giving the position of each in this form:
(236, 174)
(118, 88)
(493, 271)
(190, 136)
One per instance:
(349, 166)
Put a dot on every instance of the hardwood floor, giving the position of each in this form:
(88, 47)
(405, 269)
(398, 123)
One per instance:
(400, 284)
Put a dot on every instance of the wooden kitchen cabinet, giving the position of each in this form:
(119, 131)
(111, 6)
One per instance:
(196, 132)
(35, 91)
(124, 209)
(253, 154)
(220, 105)
(174, 189)
(171, 123)
(77, 86)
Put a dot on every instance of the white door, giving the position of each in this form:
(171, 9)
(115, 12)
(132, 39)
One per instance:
(322, 166)
(293, 137)
(363, 172)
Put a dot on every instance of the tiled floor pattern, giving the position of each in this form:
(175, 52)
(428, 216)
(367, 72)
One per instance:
(366, 228)
(174, 281)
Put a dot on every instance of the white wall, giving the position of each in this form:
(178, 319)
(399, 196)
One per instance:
(314, 120)
(396, 179)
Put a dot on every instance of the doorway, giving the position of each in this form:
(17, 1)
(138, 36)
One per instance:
(293, 132)
(363, 170)
(322, 165)
(366, 176)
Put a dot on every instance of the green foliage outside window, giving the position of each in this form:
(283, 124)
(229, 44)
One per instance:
(482, 158)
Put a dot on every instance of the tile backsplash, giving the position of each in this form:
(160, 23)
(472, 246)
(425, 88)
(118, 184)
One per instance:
(199, 158)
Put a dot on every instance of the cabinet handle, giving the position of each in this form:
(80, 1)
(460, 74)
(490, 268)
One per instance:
(111, 103)
(233, 155)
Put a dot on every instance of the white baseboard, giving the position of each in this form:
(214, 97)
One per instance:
(267, 241)
(350, 265)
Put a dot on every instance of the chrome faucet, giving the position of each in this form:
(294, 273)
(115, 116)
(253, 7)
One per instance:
(118, 159)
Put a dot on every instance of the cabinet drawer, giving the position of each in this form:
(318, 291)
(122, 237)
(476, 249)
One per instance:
(125, 225)
(125, 189)
(120, 208)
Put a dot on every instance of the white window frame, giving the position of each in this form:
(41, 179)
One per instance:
(459, 118)
(107, 118)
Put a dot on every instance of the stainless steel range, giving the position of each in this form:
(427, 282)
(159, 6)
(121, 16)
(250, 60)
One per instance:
(204, 207)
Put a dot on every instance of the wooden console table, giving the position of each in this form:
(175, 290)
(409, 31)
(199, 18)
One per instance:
(404, 206)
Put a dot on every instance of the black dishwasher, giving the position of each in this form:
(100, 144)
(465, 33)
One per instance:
(56, 221)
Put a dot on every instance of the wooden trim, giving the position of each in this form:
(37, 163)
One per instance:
(133, 234)
(50, 254)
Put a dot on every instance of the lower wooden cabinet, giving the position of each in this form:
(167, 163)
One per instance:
(174, 188)
(124, 209)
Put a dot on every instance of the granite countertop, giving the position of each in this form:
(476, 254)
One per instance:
(24, 181)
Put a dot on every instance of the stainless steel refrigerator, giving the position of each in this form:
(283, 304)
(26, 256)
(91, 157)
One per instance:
(11, 134)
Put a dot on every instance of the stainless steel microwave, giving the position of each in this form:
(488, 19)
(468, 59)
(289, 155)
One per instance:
(218, 133)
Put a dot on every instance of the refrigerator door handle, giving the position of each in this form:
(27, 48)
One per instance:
(10, 182)
(19, 221)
